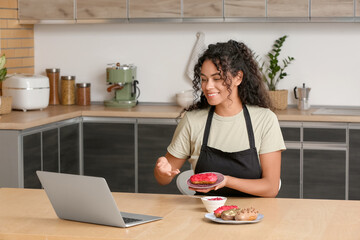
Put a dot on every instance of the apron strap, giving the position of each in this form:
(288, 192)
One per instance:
(249, 127)
(208, 125)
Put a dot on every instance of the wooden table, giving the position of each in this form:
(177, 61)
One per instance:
(28, 214)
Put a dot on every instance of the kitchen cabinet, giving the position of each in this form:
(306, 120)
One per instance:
(202, 8)
(154, 9)
(354, 162)
(332, 8)
(36, 10)
(105, 9)
(52, 148)
(109, 151)
(288, 8)
(92, 11)
(124, 152)
(325, 163)
(324, 174)
(32, 159)
(322, 159)
(244, 8)
(154, 136)
(291, 161)
(315, 164)
(290, 174)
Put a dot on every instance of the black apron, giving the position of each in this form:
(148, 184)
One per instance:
(242, 164)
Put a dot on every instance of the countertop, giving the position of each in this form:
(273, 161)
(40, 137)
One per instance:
(19, 120)
(28, 214)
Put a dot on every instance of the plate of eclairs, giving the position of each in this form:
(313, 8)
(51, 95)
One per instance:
(205, 180)
(232, 214)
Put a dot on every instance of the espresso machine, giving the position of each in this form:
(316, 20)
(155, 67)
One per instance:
(122, 80)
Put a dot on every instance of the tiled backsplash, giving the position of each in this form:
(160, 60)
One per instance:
(16, 41)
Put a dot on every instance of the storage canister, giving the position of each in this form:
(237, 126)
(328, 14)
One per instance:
(67, 90)
(83, 94)
(54, 75)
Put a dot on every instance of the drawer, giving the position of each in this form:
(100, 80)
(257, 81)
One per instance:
(322, 132)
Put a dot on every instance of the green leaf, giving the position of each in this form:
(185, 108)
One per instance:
(273, 70)
(2, 61)
(3, 74)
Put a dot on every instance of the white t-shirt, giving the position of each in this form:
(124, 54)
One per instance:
(228, 134)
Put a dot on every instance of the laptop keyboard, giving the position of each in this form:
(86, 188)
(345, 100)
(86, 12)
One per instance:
(130, 220)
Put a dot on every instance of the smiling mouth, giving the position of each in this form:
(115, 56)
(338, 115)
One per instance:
(212, 94)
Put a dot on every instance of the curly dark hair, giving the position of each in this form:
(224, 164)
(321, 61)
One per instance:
(232, 57)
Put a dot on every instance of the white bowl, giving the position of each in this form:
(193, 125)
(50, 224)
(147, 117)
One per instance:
(185, 98)
(184, 101)
(212, 205)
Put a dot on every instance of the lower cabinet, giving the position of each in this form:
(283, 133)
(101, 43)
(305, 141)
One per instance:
(109, 152)
(322, 160)
(354, 163)
(291, 161)
(154, 137)
(52, 148)
(315, 164)
(290, 174)
(32, 159)
(324, 174)
(124, 152)
(69, 149)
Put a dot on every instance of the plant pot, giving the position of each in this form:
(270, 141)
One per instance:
(5, 105)
(278, 99)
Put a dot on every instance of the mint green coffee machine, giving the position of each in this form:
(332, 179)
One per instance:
(122, 80)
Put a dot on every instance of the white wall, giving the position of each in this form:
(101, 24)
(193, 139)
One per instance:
(327, 55)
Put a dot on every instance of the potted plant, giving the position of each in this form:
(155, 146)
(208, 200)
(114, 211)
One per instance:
(273, 71)
(3, 70)
(5, 102)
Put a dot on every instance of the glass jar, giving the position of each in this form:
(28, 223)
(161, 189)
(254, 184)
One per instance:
(54, 75)
(83, 94)
(67, 90)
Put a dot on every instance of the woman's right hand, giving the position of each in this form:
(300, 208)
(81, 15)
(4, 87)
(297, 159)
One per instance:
(164, 168)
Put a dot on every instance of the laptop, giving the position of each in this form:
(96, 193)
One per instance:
(87, 199)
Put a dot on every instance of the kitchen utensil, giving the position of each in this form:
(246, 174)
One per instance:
(302, 95)
(28, 91)
(122, 80)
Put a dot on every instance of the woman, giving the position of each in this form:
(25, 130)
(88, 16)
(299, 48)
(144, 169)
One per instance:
(231, 129)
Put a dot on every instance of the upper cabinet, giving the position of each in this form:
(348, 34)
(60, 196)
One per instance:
(202, 8)
(357, 10)
(332, 8)
(288, 8)
(105, 9)
(154, 8)
(244, 8)
(100, 11)
(39, 10)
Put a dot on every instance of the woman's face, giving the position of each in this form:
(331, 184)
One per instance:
(213, 86)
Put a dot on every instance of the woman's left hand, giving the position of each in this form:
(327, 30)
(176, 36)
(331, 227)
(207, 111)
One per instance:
(221, 185)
